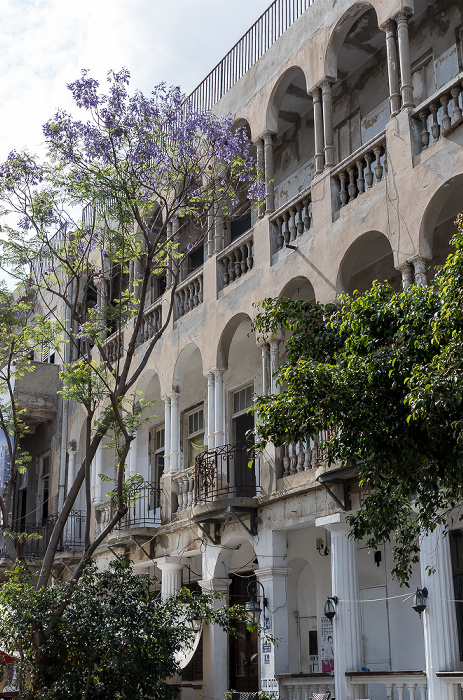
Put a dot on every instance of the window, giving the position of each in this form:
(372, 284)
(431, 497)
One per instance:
(157, 288)
(195, 259)
(240, 225)
(157, 452)
(195, 436)
(44, 486)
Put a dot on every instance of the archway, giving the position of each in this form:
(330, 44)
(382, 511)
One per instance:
(368, 259)
(438, 225)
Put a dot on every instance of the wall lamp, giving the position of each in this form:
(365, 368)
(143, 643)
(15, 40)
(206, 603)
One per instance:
(322, 548)
(330, 606)
(196, 621)
(419, 600)
(253, 609)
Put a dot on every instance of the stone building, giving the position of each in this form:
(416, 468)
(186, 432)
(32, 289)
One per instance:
(355, 112)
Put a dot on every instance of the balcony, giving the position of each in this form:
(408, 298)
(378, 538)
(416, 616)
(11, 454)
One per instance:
(189, 293)
(236, 260)
(293, 687)
(37, 393)
(223, 473)
(400, 680)
(292, 220)
(143, 511)
(439, 115)
(38, 535)
(152, 322)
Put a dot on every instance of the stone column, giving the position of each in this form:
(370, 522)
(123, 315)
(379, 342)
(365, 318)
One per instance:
(210, 410)
(174, 432)
(171, 575)
(215, 647)
(419, 265)
(97, 468)
(274, 581)
(266, 376)
(404, 57)
(392, 66)
(439, 618)
(269, 173)
(169, 259)
(274, 363)
(167, 440)
(261, 169)
(132, 470)
(219, 432)
(210, 232)
(218, 228)
(71, 466)
(318, 130)
(407, 274)
(328, 122)
(347, 637)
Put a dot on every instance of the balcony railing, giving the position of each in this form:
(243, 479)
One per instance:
(304, 685)
(143, 511)
(152, 322)
(361, 170)
(189, 293)
(236, 259)
(247, 51)
(400, 680)
(114, 346)
(224, 472)
(293, 219)
(441, 113)
(303, 455)
(185, 481)
(37, 535)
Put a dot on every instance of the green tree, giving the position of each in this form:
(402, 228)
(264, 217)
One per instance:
(382, 372)
(115, 640)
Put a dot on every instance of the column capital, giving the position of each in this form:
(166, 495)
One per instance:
(214, 584)
(174, 396)
(169, 563)
(272, 572)
(315, 93)
(209, 374)
(166, 398)
(403, 15)
(326, 83)
(337, 522)
(267, 137)
(389, 27)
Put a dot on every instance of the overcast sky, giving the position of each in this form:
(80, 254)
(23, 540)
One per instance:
(45, 43)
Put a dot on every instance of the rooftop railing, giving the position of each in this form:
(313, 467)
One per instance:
(247, 51)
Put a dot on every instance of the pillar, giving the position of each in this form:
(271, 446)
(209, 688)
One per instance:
(327, 104)
(266, 376)
(167, 441)
(261, 171)
(71, 466)
(274, 363)
(269, 173)
(392, 66)
(219, 432)
(215, 647)
(210, 231)
(218, 216)
(407, 274)
(210, 410)
(347, 637)
(174, 432)
(97, 468)
(169, 258)
(439, 618)
(404, 57)
(419, 265)
(275, 583)
(132, 470)
(171, 575)
(318, 130)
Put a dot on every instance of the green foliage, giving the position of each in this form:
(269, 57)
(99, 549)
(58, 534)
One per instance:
(382, 372)
(115, 639)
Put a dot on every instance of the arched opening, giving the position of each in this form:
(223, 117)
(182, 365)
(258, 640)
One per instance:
(438, 226)
(290, 117)
(299, 288)
(242, 214)
(368, 259)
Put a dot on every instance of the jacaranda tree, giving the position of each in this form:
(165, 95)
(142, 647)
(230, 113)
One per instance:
(382, 372)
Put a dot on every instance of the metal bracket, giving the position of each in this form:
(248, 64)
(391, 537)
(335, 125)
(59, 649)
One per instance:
(212, 539)
(253, 530)
(344, 506)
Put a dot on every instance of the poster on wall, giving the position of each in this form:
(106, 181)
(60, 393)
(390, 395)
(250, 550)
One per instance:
(326, 646)
(268, 682)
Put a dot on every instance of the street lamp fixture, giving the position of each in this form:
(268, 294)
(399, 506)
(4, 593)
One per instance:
(419, 600)
(330, 607)
(253, 609)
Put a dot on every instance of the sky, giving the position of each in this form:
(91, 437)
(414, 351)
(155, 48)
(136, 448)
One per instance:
(45, 43)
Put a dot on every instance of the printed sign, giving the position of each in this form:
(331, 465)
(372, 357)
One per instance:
(268, 682)
(326, 646)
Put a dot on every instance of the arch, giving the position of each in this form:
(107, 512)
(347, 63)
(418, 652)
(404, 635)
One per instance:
(242, 123)
(148, 382)
(298, 288)
(368, 258)
(186, 355)
(226, 338)
(340, 32)
(278, 93)
(443, 205)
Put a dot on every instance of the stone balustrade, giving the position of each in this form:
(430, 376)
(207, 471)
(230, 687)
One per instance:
(189, 293)
(103, 516)
(408, 685)
(361, 170)
(114, 346)
(236, 259)
(440, 114)
(302, 456)
(185, 481)
(293, 219)
(152, 322)
(302, 686)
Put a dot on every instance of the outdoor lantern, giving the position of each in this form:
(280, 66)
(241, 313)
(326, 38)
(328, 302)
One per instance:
(419, 600)
(330, 607)
(252, 607)
(196, 623)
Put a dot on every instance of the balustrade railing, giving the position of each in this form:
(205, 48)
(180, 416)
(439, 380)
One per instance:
(361, 170)
(37, 535)
(224, 472)
(189, 293)
(408, 685)
(236, 259)
(143, 509)
(247, 51)
(114, 346)
(185, 481)
(302, 686)
(303, 455)
(293, 219)
(441, 113)
(152, 322)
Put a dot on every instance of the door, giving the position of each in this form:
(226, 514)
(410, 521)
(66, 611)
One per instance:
(243, 663)
(243, 427)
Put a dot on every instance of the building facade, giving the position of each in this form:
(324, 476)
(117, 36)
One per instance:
(355, 112)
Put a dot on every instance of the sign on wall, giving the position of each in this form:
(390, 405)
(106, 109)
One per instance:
(268, 682)
(326, 645)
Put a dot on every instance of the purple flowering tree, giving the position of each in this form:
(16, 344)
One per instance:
(106, 224)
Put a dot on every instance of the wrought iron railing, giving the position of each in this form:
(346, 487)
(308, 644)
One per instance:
(225, 472)
(247, 51)
(37, 535)
(143, 509)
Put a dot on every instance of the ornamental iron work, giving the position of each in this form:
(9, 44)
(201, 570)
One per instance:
(225, 472)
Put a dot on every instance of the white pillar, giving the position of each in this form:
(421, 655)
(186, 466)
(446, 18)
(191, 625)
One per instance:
(347, 637)
(215, 647)
(269, 173)
(327, 102)
(171, 575)
(419, 265)
(392, 66)
(266, 376)
(167, 441)
(169, 261)
(439, 618)
(261, 169)
(71, 467)
(274, 363)
(174, 432)
(274, 581)
(318, 130)
(133, 458)
(404, 56)
(219, 432)
(96, 469)
(406, 271)
(210, 410)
